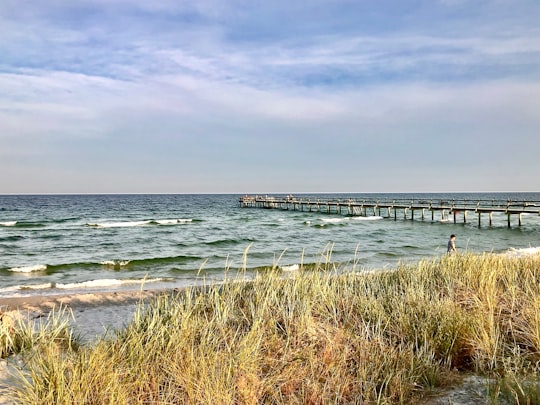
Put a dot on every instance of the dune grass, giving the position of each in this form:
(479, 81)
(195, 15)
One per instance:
(315, 337)
(18, 334)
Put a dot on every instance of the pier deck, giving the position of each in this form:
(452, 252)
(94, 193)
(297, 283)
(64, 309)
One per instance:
(394, 208)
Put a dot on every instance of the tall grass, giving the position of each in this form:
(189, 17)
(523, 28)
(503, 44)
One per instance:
(318, 337)
(17, 334)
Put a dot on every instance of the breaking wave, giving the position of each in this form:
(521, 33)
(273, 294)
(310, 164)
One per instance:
(129, 224)
(530, 251)
(8, 223)
(29, 269)
(106, 282)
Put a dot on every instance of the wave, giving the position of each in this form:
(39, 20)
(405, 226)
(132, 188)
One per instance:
(334, 220)
(115, 263)
(118, 263)
(128, 224)
(124, 224)
(106, 282)
(29, 269)
(371, 218)
(22, 224)
(172, 221)
(99, 283)
(347, 219)
(31, 224)
(8, 223)
(164, 260)
(228, 242)
(530, 251)
(26, 287)
(13, 238)
(292, 267)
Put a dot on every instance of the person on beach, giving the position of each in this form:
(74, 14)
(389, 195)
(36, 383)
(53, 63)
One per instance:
(452, 244)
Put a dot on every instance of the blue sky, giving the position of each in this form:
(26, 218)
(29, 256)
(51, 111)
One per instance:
(174, 96)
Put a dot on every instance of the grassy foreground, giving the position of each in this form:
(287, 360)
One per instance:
(317, 337)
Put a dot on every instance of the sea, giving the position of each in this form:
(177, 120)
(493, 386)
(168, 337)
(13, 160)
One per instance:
(55, 244)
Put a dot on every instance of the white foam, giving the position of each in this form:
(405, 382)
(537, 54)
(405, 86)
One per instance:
(8, 223)
(106, 282)
(531, 251)
(292, 267)
(173, 221)
(34, 286)
(29, 269)
(115, 263)
(371, 218)
(25, 287)
(124, 224)
(334, 220)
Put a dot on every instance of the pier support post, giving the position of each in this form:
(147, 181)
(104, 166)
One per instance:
(465, 217)
(479, 220)
(519, 219)
(491, 218)
(508, 220)
(455, 216)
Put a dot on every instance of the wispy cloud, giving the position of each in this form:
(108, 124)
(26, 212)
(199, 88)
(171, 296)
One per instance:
(350, 83)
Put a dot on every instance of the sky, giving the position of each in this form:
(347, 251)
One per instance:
(215, 96)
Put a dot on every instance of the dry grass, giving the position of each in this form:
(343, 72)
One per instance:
(315, 338)
(18, 335)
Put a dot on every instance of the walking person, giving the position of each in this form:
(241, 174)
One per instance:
(452, 244)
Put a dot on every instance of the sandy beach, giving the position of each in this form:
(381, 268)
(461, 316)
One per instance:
(93, 313)
(76, 300)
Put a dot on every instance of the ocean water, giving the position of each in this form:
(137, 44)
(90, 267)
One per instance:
(51, 244)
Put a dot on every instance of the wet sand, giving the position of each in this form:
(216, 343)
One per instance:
(48, 302)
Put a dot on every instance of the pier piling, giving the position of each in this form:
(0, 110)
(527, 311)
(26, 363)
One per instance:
(353, 207)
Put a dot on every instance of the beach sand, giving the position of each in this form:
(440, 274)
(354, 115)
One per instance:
(93, 313)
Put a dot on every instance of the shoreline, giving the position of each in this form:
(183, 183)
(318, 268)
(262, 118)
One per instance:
(90, 299)
(99, 310)
(80, 299)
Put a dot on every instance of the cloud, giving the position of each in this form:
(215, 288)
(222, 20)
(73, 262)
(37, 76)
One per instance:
(153, 88)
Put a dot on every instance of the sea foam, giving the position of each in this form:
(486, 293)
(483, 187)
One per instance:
(173, 221)
(106, 282)
(8, 223)
(530, 251)
(291, 267)
(29, 269)
(334, 220)
(128, 224)
(115, 263)
(370, 218)
(124, 224)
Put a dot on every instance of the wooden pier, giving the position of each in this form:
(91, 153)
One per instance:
(398, 208)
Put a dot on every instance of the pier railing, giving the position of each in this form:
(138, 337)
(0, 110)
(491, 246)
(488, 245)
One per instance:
(391, 207)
